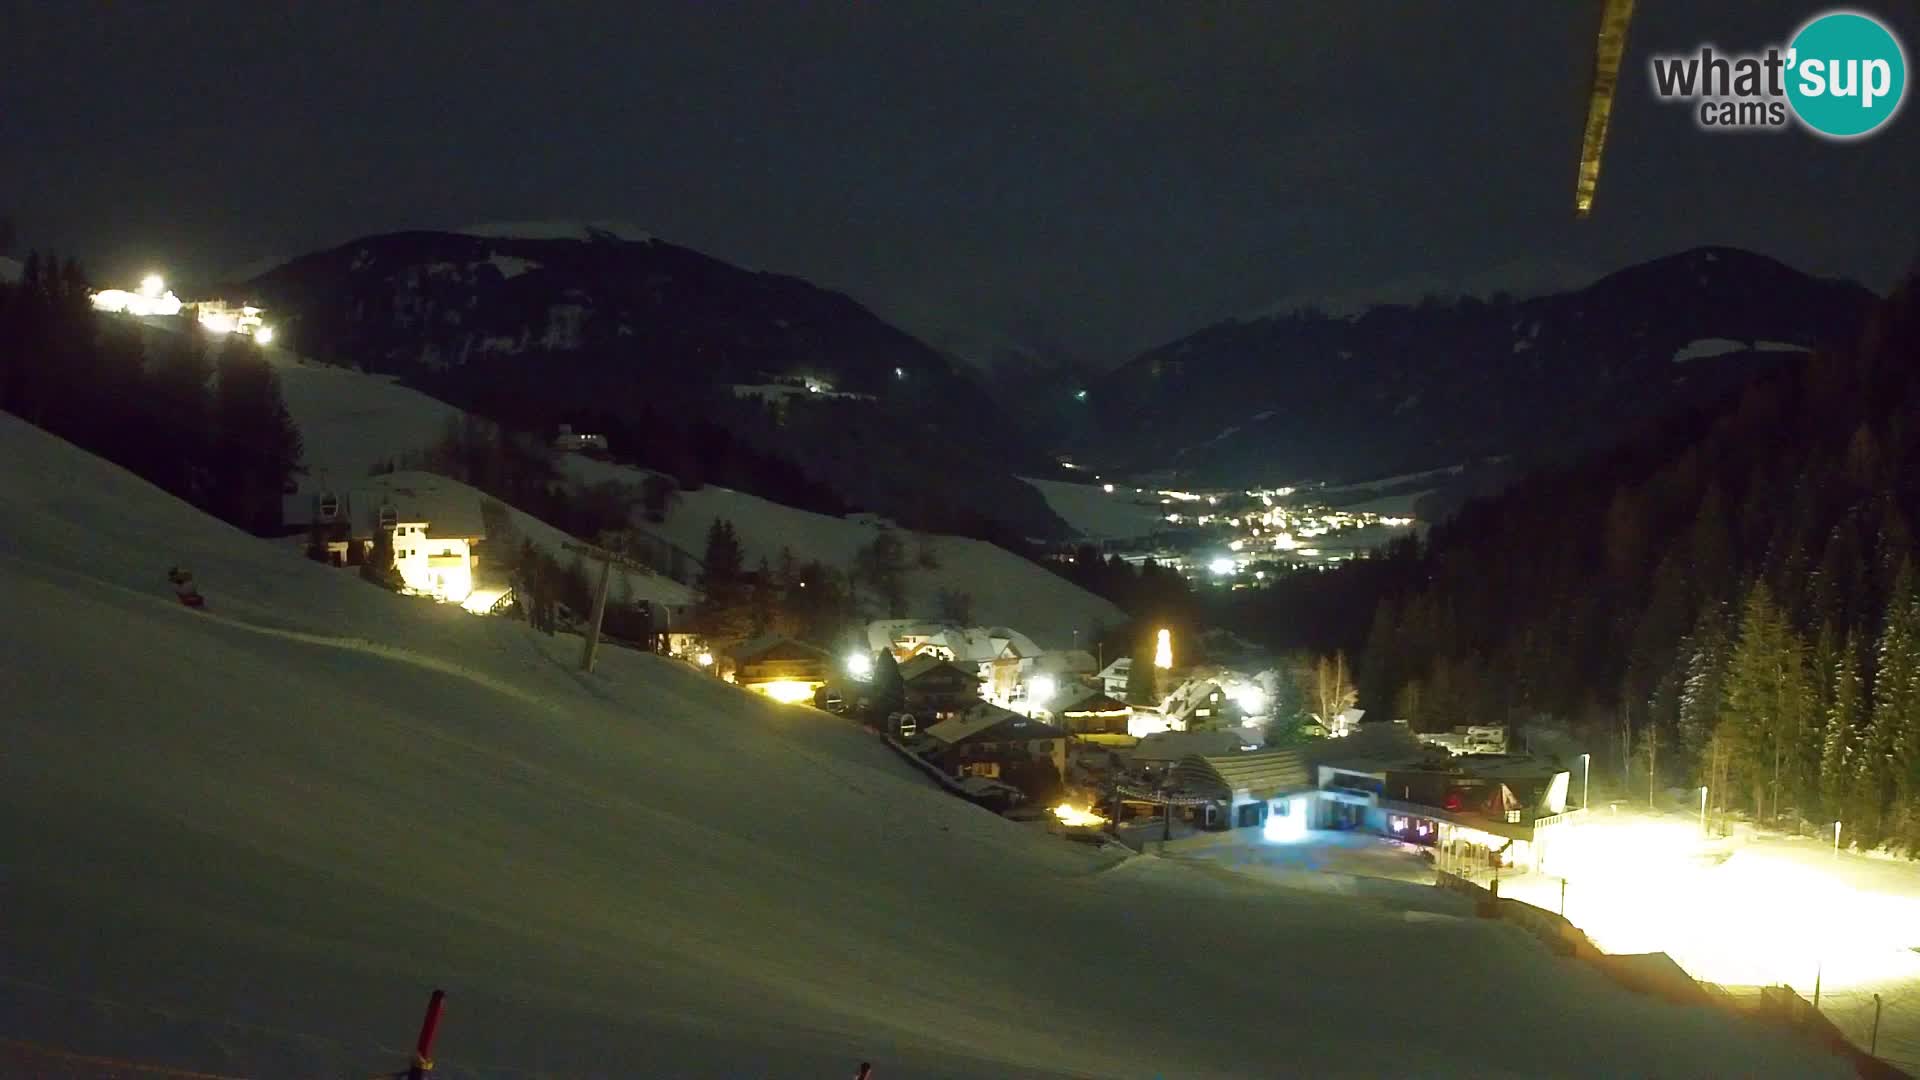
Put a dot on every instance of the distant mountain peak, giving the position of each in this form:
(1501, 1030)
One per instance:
(1391, 383)
(558, 230)
(1520, 279)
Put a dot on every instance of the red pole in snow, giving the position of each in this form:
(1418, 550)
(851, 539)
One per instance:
(423, 1050)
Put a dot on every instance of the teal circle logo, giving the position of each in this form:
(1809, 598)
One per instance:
(1846, 74)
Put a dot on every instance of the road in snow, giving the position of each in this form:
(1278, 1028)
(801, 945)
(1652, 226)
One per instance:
(245, 853)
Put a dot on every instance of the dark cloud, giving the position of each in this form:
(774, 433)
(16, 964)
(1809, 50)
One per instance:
(1102, 175)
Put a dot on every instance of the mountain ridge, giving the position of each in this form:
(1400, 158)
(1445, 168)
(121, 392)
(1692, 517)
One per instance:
(658, 338)
(1403, 387)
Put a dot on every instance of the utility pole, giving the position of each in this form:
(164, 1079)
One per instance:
(1653, 747)
(607, 559)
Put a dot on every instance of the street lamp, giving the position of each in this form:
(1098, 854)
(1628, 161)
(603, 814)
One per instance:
(860, 666)
(1586, 773)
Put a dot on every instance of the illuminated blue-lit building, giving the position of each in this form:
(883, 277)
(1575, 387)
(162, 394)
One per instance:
(1491, 810)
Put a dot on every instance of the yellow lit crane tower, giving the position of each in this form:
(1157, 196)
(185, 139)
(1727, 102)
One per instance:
(1608, 50)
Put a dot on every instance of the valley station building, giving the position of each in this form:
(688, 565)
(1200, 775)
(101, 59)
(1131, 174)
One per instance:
(1476, 812)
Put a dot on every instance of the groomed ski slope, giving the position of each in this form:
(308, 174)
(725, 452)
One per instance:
(349, 420)
(1098, 514)
(249, 840)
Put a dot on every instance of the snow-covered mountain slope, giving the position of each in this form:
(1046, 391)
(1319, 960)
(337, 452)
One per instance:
(248, 840)
(1098, 514)
(349, 420)
(1006, 589)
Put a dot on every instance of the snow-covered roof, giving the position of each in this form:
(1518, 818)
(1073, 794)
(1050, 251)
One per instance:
(775, 646)
(1178, 745)
(967, 643)
(10, 270)
(992, 723)
(1262, 774)
(924, 663)
(1066, 662)
(1119, 669)
(449, 509)
(1080, 698)
(882, 633)
(1190, 696)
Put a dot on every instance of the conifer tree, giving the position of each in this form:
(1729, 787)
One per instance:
(725, 609)
(1838, 733)
(258, 445)
(1896, 699)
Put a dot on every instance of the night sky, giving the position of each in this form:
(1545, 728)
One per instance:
(1091, 178)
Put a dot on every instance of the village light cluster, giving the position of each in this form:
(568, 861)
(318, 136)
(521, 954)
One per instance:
(1258, 529)
(154, 299)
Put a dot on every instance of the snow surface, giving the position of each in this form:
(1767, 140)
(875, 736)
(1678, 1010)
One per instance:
(511, 267)
(1704, 348)
(1394, 481)
(1093, 513)
(556, 230)
(1007, 590)
(349, 420)
(10, 269)
(248, 840)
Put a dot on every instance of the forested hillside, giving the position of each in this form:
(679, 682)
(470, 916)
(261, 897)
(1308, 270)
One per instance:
(1731, 602)
(202, 419)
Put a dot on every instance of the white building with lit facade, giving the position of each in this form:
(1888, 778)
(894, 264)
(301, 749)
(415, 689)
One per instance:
(434, 528)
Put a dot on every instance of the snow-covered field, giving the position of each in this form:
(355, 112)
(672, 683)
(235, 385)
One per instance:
(1098, 514)
(249, 840)
(349, 420)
